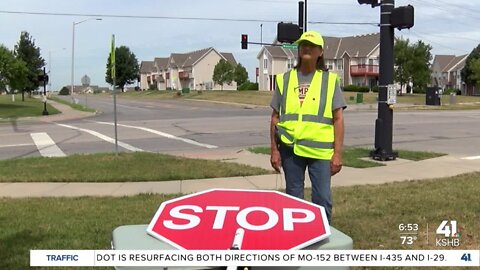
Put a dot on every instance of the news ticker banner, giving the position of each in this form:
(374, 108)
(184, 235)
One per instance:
(167, 258)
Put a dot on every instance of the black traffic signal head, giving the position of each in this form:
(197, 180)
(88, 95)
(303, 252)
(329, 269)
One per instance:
(244, 41)
(402, 17)
(43, 78)
(374, 3)
(288, 32)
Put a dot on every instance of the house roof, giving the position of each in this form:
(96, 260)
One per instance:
(146, 66)
(182, 60)
(356, 46)
(335, 47)
(457, 63)
(177, 59)
(161, 62)
(229, 57)
(279, 52)
(442, 61)
(193, 57)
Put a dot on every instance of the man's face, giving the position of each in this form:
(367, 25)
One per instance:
(309, 51)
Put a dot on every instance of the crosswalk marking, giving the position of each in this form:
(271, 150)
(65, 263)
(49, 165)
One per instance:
(472, 158)
(15, 145)
(166, 135)
(46, 146)
(103, 137)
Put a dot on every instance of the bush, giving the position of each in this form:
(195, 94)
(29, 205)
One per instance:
(419, 90)
(248, 86)
(356, 88)
(375, 89)
(64, 91)
(451, 90)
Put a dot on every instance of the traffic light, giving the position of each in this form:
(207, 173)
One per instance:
(402, 17)
(374, 3)
(288, 32)
(43, 78)
(244, 41)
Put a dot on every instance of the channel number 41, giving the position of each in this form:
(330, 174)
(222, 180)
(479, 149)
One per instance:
(408, 233)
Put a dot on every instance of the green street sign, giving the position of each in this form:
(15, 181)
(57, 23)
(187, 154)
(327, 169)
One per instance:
(289, 46)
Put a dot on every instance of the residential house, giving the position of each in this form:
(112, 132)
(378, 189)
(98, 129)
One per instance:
(355, 59)
(146, 70)
(192, 70)
(446, 72)
(89, 89)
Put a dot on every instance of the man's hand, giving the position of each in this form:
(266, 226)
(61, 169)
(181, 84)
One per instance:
(335, 164)
(276, 160)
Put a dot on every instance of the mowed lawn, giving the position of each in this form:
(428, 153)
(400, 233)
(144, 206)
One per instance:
(263, 98)
(126, 167)
(19, 108)
(371, 215)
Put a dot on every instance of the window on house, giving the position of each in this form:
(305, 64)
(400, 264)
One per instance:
(265, 63)
(290, 63)
(340, 65)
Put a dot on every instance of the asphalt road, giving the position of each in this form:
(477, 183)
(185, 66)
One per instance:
(178, 126)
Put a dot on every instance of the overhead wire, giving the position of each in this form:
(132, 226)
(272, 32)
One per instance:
(171, 17)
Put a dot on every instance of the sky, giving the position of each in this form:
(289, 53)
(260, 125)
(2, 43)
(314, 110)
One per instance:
(450, 27)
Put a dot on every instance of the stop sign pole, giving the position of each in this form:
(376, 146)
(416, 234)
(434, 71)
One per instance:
(250, 219)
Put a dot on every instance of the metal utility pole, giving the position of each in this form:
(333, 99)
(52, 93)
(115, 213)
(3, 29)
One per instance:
(45, 81)
(390, 18)
(301, 13)
(384, 123)
(305, 16)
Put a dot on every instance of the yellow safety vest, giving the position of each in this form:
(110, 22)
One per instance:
(307, 127)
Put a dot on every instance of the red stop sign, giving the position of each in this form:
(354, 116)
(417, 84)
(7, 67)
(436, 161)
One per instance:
(271, 220)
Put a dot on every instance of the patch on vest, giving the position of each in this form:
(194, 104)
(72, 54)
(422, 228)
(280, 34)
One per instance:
(302, 90)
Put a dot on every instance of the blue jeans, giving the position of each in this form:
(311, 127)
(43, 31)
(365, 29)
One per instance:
(319, 171)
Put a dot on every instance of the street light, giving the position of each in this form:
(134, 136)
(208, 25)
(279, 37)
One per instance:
(73, 53)
(261, 34)
(50, 66)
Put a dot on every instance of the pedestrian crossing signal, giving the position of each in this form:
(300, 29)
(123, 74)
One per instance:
(244, 41)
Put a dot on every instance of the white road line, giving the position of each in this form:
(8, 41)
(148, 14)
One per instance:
(104, 137)
(46, 146)
(472, 158)
(15, 145)
(163, 134)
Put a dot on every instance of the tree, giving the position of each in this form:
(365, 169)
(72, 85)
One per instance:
(412, 63)
(240, 74)
(13, 72)
(26, 51)
(126, 68)
(475, 68)
(64, 91)
(467, 72)
(223, 72)
(401, 52)
(420, 65)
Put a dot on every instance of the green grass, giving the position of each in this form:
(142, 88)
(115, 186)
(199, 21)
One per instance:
(19, 108)
(127, 167)
(352, 157)
(369, 214)
(261, 98)
(78, 107)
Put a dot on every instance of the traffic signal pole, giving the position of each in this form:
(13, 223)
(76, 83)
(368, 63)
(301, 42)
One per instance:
(384, 123)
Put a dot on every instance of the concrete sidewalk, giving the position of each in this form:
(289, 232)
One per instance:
(67, 113)
(398, 170)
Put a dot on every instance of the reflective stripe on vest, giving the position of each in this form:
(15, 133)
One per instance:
(308, 129)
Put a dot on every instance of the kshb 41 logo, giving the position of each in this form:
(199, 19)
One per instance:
(451, 236)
